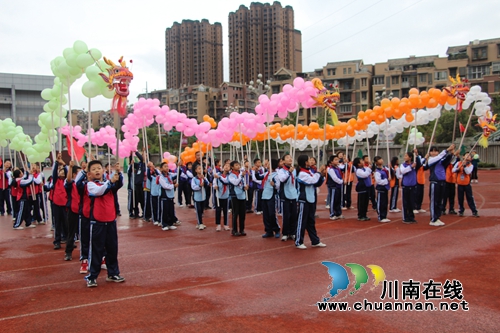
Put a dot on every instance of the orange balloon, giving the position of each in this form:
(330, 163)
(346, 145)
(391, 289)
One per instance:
(425, 97)
(385, 102)
(395, 102)
(351, 121)
(452, 100)
(432, 103)
(443, 98)
(398, 113)
(409, 117)
(380, 119)
(413, 91)
(414, 100)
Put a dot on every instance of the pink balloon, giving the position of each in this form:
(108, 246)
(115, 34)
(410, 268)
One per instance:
(180, 127)
(298, 82)
(189, 131)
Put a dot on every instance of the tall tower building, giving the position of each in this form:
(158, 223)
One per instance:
(194, 54)
(263, 39)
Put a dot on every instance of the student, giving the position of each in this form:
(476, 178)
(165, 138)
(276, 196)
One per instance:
(437, 163)
(419, 189)
(394, 183)
(271, 224)
(237, 190)
(4, 190)
(199, 185)
(23, 191)
(408, 171)
(335, 185)
(349, 172)
(288, 196)
(363, 173)
(36, 200)
(308, 183)
(221, 186)
(73, 207)
(59, 200)
(382, 186)
(279, 207)
(371, 189)
(464, 169)
(450, 190)
(41, 198)
(216, 170)
(148, 213)
(152, 173)
(249, 182)
(184, 185)
(475, 163)
(257, 185)
(167, 198)
(136, 173)
(104, 236)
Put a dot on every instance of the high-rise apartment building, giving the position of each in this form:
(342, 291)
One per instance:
(262, 40)
(194, 54)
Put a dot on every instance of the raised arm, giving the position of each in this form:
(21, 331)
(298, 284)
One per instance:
(98, 190)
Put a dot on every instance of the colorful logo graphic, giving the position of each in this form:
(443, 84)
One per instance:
(340, 278)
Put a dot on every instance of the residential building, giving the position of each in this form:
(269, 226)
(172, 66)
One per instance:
(263, 39)
(194, 54)
(20, 99)
(99, 119)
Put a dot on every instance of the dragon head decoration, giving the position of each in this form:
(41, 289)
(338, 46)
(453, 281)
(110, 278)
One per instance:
(458, 89)
(488, 125)
(327, 99)
(118, 79)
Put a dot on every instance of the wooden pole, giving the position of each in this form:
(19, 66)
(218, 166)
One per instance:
(89, 133)
(324, 138)
(213, 173)
(467, 126)
(159, 138)
(432, 135)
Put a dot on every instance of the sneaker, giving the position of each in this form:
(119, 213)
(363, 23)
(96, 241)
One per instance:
(202, 226)
(440, 222)
(460, 213)
(172, 227)
(435, 224)
(164, 228)
(57, 246)
(258, 213)
(103, 263)
(236, 234)
(409, 221)
(342, 217)
(218, 228)
(91, 283)
(277, 235)
(181, 206)
(385, 221)
(284, 238)
(243, 233)
(334, 218)
(226, 228)
(452, 212)
(422, 211)
(443, 212)
(301, 247)
(319, 245)
(178, 223)
(42, 223)
(229, 210)
(344, 208)
(292, 237)
(393, 211)
(397, 210)
(197, 226)
(415, 211)
(266, 235)
(115, 278)
(155, 223)
(476, 214)
(32, 225)
(68, 257)
(327, 206)
(84, 267)
(18, 228)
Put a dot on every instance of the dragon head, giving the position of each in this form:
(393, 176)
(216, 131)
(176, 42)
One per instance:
(118, 78)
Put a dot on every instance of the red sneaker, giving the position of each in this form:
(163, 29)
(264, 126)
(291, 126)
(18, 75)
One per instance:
(84, 267)
(103, 263)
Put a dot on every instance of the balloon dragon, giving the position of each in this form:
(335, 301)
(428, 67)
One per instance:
(327, 99)
(488, 124)
(118, 79)
(458, 89)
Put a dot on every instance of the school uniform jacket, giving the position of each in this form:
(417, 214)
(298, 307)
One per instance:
(102, 199)
(307, 185)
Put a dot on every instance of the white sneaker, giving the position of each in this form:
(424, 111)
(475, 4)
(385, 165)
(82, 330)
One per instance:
(342, 217)
(32, 225)
(319, 245)
(164, 228)
(178, 223)
(435, 224)
(398, 210)
(156, 223)
(201, 226)
(18, 228)
(301, 247)
(393, 211)
(440, 222)
(229, 210)
(385, 221)
(284, 238)
(258, 213)
(327, 207)
(344, 208)
(422, 211)
(415, 211)
(172, 227)
(197, 226)
(180, 206)
(334, 218)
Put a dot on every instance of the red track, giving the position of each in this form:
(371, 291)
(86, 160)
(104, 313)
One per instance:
(188, 280)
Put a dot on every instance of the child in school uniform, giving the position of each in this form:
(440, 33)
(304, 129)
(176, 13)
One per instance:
(167, 196)
(394, 183)
(382, 186)
(307, 182)
(73, 207)
(221, 196)
(420, 187)
(451, 189)
(408, 182)
(257, 169)
(371, 188)
(152, 173)
(335, 182)
(148, 210)
(464, 169)
(60, 199)
(16, 175)
(364, 174)
(237, 191)
(200, 186)
(288, 196)
(23, 194)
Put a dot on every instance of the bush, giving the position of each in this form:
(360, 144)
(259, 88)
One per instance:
(486, 165)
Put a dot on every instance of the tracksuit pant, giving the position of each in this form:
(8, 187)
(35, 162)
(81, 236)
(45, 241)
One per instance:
(36, 209)
(306, 221)
(155, 207)
(373, 197)
(5, 201)
(15, 205)
(437, 190)
(220, 208)
(449, 198)
(84, 237)
(72, 222)
(271, 224)
(42, 203)
(103, 242)
(239, 214)
(394, 197)
(207, 199)
(289, 208)
(347, 196)
(139, 199)
(419, 196)
(199, 207)
(59, 213)
(335, 201)
(408, 198)
(363, 200)
(467, 190)
(147, 205)
(382, 202)
(24, 213)
(257, 193)
(184, 187)
(249, 202)
(167, 212)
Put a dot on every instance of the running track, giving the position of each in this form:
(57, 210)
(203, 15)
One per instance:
(187, 280)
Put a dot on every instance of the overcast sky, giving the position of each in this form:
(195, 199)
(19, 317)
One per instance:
(33, 32)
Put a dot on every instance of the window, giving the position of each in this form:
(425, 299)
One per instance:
(422, 78)
(364, 95)
(331, 71)
(441, 75)
(480, 53)
(395, 93)
(345, 70)
(378, 80)
(346, 108)
(349, 70)
(453, 72)
(498, 50)
(477, 72)
(395, 80)
(364, 82)
(404, 79)
(497, 86)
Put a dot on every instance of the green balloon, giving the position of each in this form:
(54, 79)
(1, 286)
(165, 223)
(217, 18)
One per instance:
(84, 60)
(80, 47)
(68, 52)
(90, 89)
(96, 54)
(92, 73)
(46, 94)
(47, 108)
(75, 70)
(107, 93)
(56, 91)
